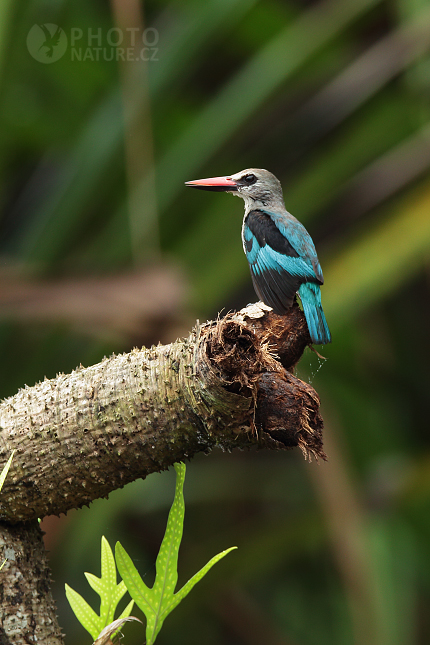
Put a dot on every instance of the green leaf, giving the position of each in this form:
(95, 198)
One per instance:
(5, 470)
(137, 589)
(83, 612)
(94, 582)
(167, 560)
(109, 591)
(110, 596)
(127, 611)
(158, 602)
(185, 590)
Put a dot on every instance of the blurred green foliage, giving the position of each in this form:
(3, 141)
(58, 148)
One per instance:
(333, 97)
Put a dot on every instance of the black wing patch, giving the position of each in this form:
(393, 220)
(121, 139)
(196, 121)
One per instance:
(273, 282)
(275, 290)
(266, 232)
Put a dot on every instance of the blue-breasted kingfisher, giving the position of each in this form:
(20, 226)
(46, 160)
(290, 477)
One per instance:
(281, 254)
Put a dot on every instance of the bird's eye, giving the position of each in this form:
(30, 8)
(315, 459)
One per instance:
(249, 179)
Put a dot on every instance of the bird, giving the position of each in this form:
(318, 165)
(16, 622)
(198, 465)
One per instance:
(51, 40)
(281, 254)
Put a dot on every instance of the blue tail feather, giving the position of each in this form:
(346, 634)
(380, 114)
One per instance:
(310, 295)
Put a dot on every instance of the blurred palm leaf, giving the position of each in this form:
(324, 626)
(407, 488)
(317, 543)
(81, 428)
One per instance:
(379, 261)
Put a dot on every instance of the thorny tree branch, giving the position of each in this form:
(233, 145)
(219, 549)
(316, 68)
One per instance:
(79, 436)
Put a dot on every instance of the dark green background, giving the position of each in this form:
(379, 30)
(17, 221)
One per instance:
(333, 97)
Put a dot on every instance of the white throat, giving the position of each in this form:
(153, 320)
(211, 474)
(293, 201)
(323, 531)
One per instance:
(272, 204)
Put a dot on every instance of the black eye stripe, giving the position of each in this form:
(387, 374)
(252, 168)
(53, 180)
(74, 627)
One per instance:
(249, 179)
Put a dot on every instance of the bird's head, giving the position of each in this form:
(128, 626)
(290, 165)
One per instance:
(258, 187)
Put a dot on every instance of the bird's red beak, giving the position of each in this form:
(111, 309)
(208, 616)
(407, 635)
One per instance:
(213, 183)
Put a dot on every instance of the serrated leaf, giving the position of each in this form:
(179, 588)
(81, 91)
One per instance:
(83, 612)
(5, 470)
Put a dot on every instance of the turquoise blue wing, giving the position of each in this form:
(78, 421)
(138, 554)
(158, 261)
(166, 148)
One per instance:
(277, 269)
(299, 239)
